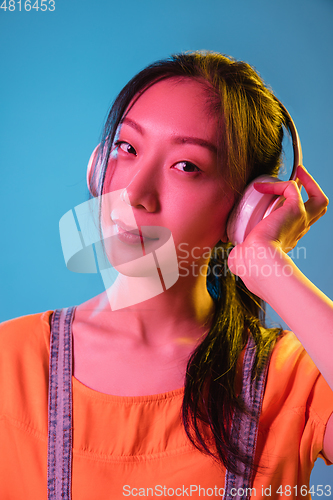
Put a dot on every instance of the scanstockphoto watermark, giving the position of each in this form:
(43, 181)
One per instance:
(189, 261)
(219, 492)
(181, 491)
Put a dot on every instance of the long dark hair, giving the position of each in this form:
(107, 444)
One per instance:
(250, 122)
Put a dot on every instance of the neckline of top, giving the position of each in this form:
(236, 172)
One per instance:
(112, 398)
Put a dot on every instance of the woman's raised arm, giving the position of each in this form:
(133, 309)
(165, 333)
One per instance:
(266, 269)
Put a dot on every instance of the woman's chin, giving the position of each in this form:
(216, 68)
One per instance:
(141, 267)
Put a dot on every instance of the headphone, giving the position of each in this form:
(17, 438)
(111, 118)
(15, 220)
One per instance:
(252, 207)
(93, 185)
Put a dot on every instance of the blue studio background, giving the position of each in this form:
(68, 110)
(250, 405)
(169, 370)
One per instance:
(60, 72)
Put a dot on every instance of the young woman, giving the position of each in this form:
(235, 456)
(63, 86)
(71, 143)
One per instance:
(179, 389)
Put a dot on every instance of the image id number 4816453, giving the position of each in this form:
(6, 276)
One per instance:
(27, 5)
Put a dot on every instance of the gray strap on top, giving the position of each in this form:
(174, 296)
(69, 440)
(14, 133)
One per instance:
(59, 462)
(244, 429)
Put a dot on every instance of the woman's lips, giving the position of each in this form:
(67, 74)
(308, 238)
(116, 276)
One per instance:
(126, 234)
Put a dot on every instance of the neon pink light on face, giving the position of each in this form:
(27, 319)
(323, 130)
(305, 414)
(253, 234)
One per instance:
(166, 159)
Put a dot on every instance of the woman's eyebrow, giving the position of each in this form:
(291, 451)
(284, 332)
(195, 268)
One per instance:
(133, 124)
(195, 140)
(177, 139)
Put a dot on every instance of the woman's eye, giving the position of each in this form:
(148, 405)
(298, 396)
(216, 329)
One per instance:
(186, 166)
(126, 147)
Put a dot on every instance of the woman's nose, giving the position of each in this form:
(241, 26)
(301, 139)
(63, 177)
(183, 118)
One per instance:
(142, 190)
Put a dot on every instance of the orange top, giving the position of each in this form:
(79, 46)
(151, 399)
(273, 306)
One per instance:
(136, 446)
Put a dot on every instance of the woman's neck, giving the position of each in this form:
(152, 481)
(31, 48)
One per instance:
(183, 312)
(152, 339)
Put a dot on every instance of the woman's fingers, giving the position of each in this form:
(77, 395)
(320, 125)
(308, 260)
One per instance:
(288, 189)
(299, 184)
(317, 203)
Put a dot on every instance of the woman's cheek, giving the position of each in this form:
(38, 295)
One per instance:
(114, 176)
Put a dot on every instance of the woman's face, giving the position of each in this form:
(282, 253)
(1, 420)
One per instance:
(165, 157)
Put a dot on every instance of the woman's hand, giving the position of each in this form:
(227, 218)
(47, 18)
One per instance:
(280, 231)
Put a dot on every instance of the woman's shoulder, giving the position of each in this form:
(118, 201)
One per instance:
(289, 360)
(24, 367)
(289, 355)
(288, 347)
(294, 381)
(25, 333)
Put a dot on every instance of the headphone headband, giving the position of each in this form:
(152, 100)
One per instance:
(297, 148)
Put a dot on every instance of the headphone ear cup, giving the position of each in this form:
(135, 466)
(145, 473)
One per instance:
(250, 210)
(93, 183)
